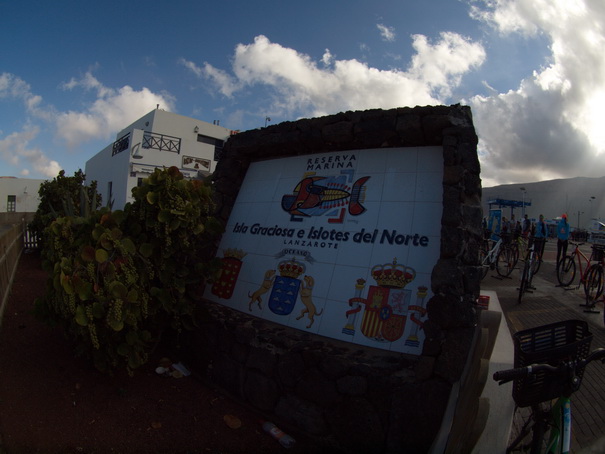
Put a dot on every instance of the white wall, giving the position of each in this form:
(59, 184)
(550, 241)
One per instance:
(26, 191)
(123, 171)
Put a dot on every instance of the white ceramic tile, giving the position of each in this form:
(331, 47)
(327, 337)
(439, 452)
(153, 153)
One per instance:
(334, 320)
(373, 188)
(429, 187)
(396, 216)
(257, 172)
(239, 212)
(343, 282)
(367, 220)
(425, 258)
(399, 187)
(402, 160)
(372, 161)
(354, 254)
(426, 218)
(430, 158)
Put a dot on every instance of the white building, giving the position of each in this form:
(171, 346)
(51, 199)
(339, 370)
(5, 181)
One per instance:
(158, 139)
(19, 195)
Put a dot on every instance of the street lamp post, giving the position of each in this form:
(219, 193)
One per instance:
(592, 197)
(523, 204)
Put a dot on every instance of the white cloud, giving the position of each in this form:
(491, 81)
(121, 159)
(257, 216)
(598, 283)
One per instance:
(15, 148)
(387, 33)
(227, 84)
(302, 88)
(112, 110)
(327, 58)
(13, 87)
(442, 65)
(551, 126)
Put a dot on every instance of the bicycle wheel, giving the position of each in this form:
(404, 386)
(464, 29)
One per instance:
(515, 251)
(593, 284)
(521, 430)
(536, 429)
(566, 271)
(505, 262)
(483, 262)
(523, 246)
(535, 264)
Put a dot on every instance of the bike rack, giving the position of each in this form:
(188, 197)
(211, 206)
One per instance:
(590, 307)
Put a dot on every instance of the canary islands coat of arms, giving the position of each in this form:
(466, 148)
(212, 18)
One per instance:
(387, 307)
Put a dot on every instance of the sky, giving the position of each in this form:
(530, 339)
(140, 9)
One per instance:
(74, 73)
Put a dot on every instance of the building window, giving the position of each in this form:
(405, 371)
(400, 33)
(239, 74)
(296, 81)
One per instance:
(140, 181)
(109, 191)
(218, 144)
(11, 203)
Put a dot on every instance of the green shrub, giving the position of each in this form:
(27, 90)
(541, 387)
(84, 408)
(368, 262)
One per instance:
(119, 280)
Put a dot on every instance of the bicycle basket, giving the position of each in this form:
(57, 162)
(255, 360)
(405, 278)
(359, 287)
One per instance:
(597, 252)
(550, 344)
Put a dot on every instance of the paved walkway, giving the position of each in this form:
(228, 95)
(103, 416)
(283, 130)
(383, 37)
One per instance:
(548, 304)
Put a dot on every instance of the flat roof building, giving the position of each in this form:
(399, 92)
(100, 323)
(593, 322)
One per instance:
(158, 139)
(19, 195)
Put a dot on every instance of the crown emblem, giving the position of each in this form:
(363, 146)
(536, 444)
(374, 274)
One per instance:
(291, 268)
(392, 275)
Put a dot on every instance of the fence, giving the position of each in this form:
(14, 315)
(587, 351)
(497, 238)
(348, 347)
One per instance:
(11, 246)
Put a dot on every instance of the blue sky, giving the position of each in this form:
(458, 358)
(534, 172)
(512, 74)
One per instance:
(73, 73)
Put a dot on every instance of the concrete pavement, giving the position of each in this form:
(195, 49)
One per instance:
(548, 304)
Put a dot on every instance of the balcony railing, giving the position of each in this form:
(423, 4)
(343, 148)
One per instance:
(121, 144)
(161, 142)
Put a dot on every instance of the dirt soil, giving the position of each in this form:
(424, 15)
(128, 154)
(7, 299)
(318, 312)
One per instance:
(52, 402)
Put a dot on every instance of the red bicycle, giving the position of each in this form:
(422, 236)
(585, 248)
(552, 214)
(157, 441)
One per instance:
(591, 276)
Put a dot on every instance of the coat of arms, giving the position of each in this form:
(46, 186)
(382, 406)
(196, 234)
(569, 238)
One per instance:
(231, 264)
(286, 287)
(387, 305)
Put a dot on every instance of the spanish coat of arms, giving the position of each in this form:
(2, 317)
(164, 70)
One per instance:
(387, 305)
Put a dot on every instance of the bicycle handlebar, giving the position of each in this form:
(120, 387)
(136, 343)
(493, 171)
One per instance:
(504, 376)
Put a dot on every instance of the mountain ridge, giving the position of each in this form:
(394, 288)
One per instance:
(581, 198)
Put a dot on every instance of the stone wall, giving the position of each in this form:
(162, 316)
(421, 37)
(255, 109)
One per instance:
(344, 396)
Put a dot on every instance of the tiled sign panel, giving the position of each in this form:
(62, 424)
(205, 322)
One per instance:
(339, 244)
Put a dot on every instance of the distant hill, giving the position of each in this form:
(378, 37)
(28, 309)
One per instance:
(553, 198)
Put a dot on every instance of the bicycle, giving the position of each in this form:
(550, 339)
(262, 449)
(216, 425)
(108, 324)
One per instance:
(532, 264)
(500, 256)
(593, 284)
(549, 366)
(591, 276)
(519, 246)
(539, 249)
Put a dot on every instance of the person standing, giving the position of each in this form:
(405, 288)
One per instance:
(562, 238)
(526, 226)
(540, 236)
